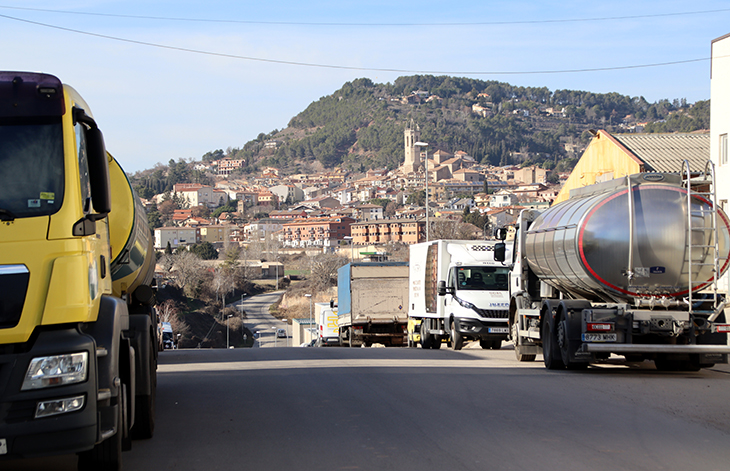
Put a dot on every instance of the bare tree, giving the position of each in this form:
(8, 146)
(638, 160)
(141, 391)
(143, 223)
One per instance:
(324, 270)
(167, 310)
(187, 269)
(166, 262)
(179, 326)
(447, 229)
(224, 281)
(398, 252)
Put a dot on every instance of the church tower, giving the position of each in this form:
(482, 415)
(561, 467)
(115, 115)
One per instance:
(412, 134)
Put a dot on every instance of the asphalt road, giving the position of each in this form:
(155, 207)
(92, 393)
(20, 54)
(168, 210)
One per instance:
(259, 320)
(413, 409)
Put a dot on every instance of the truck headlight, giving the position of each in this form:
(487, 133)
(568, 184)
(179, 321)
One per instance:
(466, 304)
(56, 370)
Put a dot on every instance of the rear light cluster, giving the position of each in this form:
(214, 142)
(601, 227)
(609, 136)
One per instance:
(599, 327)
(722, 328)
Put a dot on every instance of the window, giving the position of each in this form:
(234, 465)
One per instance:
(83, 166)
(723, 149)
(32, 177)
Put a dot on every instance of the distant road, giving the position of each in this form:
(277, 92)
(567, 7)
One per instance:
(259, 320)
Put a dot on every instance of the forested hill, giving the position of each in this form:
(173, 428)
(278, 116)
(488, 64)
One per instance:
(360, 126)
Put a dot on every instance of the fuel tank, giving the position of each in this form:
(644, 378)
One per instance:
(132, 251)
(583, 245)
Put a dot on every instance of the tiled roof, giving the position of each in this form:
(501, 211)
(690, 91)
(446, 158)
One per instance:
(665, 152)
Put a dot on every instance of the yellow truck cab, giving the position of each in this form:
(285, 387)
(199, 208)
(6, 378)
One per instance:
(77, 323)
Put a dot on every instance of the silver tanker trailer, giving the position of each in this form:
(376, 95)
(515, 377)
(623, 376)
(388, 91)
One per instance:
(626, 267)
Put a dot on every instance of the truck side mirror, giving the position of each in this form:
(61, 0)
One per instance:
(500, 233)
(98, 165)
(443, 290)
(500, 249)
(98, 172)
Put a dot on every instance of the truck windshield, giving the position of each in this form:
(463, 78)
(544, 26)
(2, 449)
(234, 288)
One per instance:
(480, 278)
(31, 158)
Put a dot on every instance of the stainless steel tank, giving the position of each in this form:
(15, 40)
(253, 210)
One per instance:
(581, 246)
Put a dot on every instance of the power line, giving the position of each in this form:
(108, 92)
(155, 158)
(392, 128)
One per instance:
(344, 67)
(304, 23)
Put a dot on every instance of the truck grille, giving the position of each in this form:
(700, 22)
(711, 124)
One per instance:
(493, 313)
(13, 287)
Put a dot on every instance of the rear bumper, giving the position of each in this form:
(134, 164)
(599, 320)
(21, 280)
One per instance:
(26, 435)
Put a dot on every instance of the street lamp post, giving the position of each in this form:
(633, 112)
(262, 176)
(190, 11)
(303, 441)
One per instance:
(228, 331)
(425, 167)
(310, 314)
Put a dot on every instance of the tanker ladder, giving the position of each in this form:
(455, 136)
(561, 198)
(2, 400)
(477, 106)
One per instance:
(705, 184)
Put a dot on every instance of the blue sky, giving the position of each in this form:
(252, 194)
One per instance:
(160, 103)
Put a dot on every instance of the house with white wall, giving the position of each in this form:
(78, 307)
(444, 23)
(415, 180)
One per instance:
(720, 123)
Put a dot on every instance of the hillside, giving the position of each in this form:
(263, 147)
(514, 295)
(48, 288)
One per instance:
(360, 126)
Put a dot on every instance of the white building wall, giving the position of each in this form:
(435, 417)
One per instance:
(176, 236)
(720, 123)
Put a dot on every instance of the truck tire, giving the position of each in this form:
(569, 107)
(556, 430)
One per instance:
(457, 340)
(550, 351)
(426, 339)
(518, 348)
(564, 345)
(107, 455)
(144, 413)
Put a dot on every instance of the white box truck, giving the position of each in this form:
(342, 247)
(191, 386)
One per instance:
(327, 330)
(457, 292)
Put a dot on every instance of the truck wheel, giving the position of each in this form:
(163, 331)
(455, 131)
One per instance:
(457, 340)
(144, 417)
(564, 346)
(107, 455)
(426, 339)
(518, 348)
(144, 413)
(550, 351)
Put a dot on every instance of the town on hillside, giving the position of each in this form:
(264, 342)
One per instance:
(355, 215)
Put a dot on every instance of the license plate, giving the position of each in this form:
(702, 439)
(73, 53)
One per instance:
(600, 337)
(3, 447)
(498, 330)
